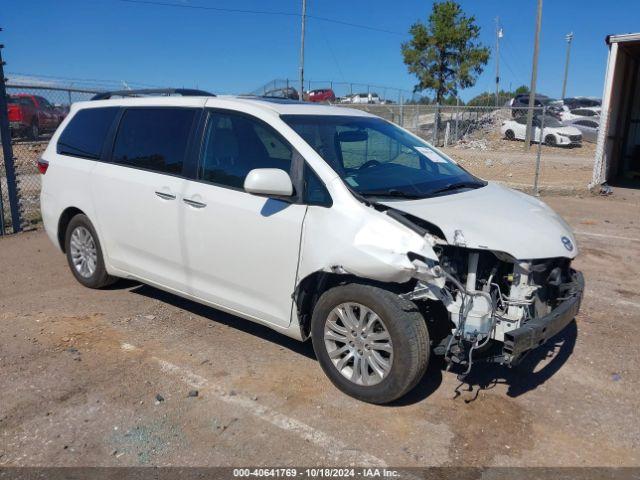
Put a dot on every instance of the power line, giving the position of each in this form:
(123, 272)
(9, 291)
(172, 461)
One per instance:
(517, 78)
(260, 12)
(516, 59)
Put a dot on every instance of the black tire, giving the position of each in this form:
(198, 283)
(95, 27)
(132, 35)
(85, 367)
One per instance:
(34, 131)
(99, 277)
(407, 330)
(550, 140)
(509, 135)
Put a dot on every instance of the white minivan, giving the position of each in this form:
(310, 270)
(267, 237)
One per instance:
(318, 221)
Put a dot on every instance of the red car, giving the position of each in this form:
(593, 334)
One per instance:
(31, 115)
(321, 95)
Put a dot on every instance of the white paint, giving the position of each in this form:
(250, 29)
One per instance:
(496, 218)
(605, 235)
(560, 134)
(128, 347)
(336, 450)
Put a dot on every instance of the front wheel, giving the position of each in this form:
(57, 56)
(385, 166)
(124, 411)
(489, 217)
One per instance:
(550, 140)
(372, 344)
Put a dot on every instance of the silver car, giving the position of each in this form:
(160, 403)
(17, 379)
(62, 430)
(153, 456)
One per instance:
(588, 127)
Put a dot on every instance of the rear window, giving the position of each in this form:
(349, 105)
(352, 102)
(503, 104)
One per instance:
(85, 134)
(154, 138)
(20, 100)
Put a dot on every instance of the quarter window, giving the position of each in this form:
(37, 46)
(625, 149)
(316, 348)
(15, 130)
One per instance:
(315, 193)
(154, 138)
(85, 134)
(235, 144)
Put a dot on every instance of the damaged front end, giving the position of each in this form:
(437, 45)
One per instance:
(491, 297)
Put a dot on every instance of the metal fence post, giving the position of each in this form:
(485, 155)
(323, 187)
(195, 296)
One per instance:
(1, 210)
(455, 135)
(436, 119)
(401, 110)
(536, 189)
(5, 133)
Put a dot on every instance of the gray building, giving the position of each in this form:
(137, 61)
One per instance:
(618, 147)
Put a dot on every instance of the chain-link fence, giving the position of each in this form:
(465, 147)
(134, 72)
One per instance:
(489, 142)
(34, 114)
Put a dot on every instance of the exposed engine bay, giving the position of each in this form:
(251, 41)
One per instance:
(488, 295)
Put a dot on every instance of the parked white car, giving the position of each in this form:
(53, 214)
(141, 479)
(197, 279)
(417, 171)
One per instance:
(317, 221)
(553, 134)
(364, 98)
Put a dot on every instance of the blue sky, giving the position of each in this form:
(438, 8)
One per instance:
(237, 52)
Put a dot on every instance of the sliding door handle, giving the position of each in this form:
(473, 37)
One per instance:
(165, 195)
(193, 203)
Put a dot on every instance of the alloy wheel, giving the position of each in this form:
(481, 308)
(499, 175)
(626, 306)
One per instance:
(84, 253)
(358, 344)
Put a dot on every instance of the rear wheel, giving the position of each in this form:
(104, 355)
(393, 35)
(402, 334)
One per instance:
(84, 254)
(372, 344)
(509, 135)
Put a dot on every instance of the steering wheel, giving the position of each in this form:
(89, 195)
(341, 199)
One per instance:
(368, 164)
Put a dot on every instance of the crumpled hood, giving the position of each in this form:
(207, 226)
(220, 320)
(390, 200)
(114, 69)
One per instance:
(497, 218)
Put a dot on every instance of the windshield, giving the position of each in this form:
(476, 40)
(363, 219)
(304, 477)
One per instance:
(376, 158)
(549, 121)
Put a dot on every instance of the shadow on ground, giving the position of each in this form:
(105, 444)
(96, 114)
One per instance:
(484, 376)
(218, 316)
(534, 370)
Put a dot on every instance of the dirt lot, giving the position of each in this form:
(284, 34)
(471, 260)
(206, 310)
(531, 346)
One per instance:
(103, 377)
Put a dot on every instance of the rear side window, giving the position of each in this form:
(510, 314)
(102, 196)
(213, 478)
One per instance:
(85, 134)
(154, 138)
(235, 144)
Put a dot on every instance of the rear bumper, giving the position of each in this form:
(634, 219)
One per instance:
(537, 331)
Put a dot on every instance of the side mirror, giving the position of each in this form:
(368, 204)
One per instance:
(268, 182)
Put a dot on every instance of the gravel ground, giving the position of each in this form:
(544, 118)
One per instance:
(109, 377)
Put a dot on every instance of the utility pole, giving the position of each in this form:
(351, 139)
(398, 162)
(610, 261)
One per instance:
(534, 77)
(569, 38)
(304, 18)
(498, 37)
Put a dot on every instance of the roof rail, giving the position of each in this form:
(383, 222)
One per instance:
(185, 92)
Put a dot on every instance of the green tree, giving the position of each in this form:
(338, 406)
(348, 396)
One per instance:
(521, 89)
(445, 54)
(488, 99)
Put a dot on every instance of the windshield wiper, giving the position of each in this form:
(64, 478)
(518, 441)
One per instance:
(457, 186)
(392, 192)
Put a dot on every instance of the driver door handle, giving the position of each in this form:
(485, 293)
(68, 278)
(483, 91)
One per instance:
(193, 203)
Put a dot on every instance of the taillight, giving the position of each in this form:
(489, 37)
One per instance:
(43, 165)
(15, 113)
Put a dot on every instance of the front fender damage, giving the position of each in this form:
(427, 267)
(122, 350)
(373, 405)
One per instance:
(377, 248)
(361, 244)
